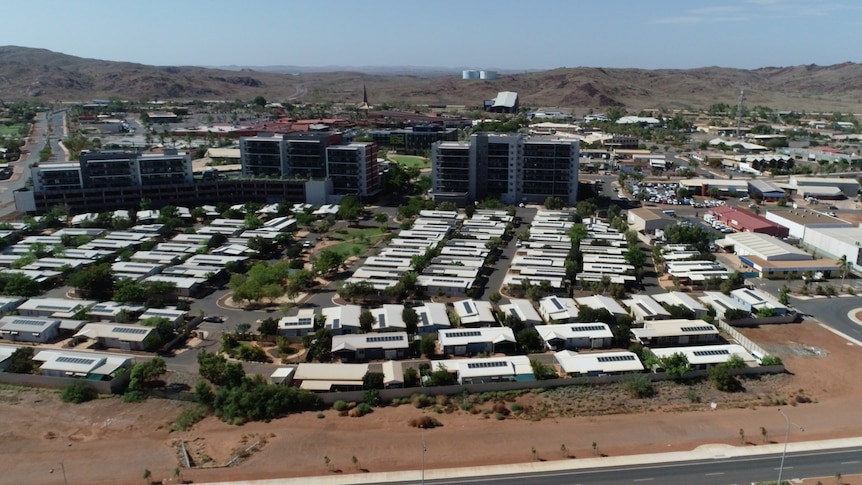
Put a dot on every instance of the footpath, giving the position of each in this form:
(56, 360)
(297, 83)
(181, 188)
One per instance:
(705, 452)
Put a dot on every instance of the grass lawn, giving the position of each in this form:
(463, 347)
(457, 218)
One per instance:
(10, 130)
(410, 161)
(356, 240)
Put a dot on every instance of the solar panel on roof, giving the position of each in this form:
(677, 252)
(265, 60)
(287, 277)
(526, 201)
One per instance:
(75, 360)
(468, 333)
(557, 303)
(32, 323)
(701, 328)
(381, 320)
(615, 358)
(385, 338)
(134, 330)
(336, 323)
(587, 328)
(483, 365)
(704, 353)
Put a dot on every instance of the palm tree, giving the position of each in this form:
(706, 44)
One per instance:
(843, 266)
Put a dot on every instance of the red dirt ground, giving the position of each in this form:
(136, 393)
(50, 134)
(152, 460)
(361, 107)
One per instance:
(110, 442)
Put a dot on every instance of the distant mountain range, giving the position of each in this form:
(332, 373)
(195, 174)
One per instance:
(27, 73)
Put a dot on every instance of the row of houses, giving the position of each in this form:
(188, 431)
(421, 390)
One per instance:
(93, 366)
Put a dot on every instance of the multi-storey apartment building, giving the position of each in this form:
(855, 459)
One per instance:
(453, 175)
(114, 169)
(353, 169)
(511, 168)
(295, 155)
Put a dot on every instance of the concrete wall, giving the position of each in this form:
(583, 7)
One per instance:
(755, 350)
(389, 394)
(33, 380)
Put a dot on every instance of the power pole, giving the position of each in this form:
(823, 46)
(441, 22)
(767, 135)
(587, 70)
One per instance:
(739, 107)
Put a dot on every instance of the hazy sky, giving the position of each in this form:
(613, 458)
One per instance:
(481, 34)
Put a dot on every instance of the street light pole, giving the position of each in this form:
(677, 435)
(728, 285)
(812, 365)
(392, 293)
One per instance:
(786, 436)
(63, 469)
(422, 431)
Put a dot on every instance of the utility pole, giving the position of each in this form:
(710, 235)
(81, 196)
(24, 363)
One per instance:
(786, 436)
(739, 114)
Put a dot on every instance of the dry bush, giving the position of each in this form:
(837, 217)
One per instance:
(425, 422)
(500, 408)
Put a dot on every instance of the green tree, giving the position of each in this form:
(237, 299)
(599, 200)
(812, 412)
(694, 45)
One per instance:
(723, 379)
(96, 281)
(21, 361)
(372, 380)
(78, 392)
(349, 208)
(675, 365)
(411, 320)
(554, 203)
(366, 321)
(428, 346)
(268, 327)
(327, 261)
(17, 284)
(530, 341)
(216, 369)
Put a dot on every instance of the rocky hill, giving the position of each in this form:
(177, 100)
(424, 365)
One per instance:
(27, 73)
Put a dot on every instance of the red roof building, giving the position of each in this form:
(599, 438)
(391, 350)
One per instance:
(743, 220)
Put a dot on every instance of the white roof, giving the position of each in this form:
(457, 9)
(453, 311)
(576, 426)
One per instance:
(331, 372)
(386, 341)
(494, 366)
(474, 311)
(756, 299)
(81, 364)
(54, 305)
(464, 336)
(567, 331)
(341, 316)
(720, 302)
(556, 308)
(706, 354)
(766, 246)
(304, 319)
(432, 314)
(681, 299)
(388, 316)
(598, 363)
(123, 332)
(645, 306)
(27, 324)
(599, 302)
(171, 314)
(522, 309)
(673, 328)
(506, 99)
(393, 372)
(180, 282)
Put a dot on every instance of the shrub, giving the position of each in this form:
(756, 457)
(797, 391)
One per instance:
(361, 410)
(189, 417)
(500, 408)
(723, 379)
(692, 395)
(499, 416)
(420, 401)
(424, 422)
(320, 415)
(339, 405)
(78, 392)
(639, 386)
(516, 408)
(770, 360)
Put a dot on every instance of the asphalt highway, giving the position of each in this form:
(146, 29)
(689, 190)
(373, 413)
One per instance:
(743, 470)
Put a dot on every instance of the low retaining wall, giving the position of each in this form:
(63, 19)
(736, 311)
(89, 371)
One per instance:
(50, 382)
(390, 394)
(755, 350)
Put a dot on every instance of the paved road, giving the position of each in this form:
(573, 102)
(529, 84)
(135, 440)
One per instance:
(742, 470)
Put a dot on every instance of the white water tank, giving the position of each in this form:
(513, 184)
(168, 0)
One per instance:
(469, 74)
(487, 74)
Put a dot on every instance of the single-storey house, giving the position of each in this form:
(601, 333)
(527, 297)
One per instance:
(643, 309)
(566, 336)
(702, 356)
(474, 313)
(94, 366)
(118, 336)
(175, 316)
(601, 302)
(523, 310)
(329, 377)
(297, 325)
(667, 333)
(720, 302)
(754, 301)
(558, 310)
(678, 298)
(370, 346)
(29, 329)
(393, 374)
(432, 317)
(53, 307)
(343, 319)
(598, 364)
(514, 368)
(282, 376)
(471, 341)
(110, 310)
(388, 318)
